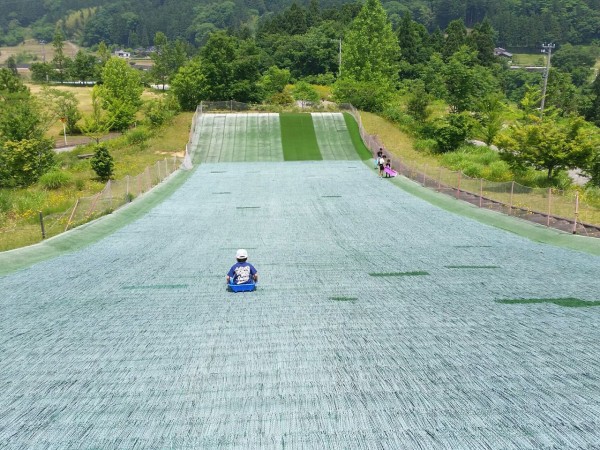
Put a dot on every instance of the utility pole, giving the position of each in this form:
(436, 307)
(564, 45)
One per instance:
(546, 48)
(340, 60)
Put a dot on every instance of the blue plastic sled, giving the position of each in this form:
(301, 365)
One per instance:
(247, 287)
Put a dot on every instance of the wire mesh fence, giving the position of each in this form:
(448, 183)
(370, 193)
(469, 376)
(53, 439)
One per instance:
(564, 210)
(114, 195)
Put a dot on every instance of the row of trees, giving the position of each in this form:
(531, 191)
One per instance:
(383, 67)
(460, 69)
(523, 23)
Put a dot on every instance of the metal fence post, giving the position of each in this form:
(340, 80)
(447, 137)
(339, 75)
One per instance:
(458, 185)
(109, 191)
(480, 192)
(576, 212)
(127, 188)
(512, 190)
(424, 182)
(42, 225)
(549, 206)
(440, 180)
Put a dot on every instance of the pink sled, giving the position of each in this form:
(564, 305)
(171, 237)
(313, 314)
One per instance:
(390, 172)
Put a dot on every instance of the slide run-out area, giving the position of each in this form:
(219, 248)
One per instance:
(380, 320)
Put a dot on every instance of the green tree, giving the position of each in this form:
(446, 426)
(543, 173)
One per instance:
(97, 124)
(42, 72)
(120, 92)
(370, 59)
(189, 85)
(370, 50)
(168, 57)
(246, 72)
(217, 65)
(418, 102)
(592, 168)
(103, 53)
(482, 40)
(561, 92)
(102, 162)
(451, 131)
(412, 38)
(489, 113)
(569, 57)
(60, 61)
(593, 110)
(365, 95)
(304, 92)
(274, 81)
(11, 64)
(159, 71)
(432, 74)
(22, 162)
(83, 67)
(551, 145)
(10, 84)
(161, 110)
(466, 82)
(21, 116)
(456, 37)
(62, 105)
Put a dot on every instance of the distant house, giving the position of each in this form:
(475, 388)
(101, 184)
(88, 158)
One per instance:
(122, 54)
(499, 51)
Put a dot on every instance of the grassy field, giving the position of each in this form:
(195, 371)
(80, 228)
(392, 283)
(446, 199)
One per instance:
(32, 51)
(83, 94)
(19, 207)
(528, 59)
(298, 137)
(396, 142)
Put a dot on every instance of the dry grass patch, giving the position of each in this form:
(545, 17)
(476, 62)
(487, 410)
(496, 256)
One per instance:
(397, 143)
(36, 51)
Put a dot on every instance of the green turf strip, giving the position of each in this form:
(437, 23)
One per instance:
(472, 267)
(344, 299)
(157, 286)
(363, 152)
(568, 302)
(298, 137)
(473, 246)
(398, 274)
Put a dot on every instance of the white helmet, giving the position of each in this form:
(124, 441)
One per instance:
(241, 254)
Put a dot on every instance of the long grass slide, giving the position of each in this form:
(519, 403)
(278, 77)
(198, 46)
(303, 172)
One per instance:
(211, 137)
(298, 138)
(269, 137)
(233, 133)
(332, 136)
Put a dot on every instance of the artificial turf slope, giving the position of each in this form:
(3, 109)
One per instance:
(298, 137)
(359, 336)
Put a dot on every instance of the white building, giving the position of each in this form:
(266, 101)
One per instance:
(122, 54)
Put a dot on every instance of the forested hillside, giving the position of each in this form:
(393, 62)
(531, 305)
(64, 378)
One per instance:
(132, 23)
